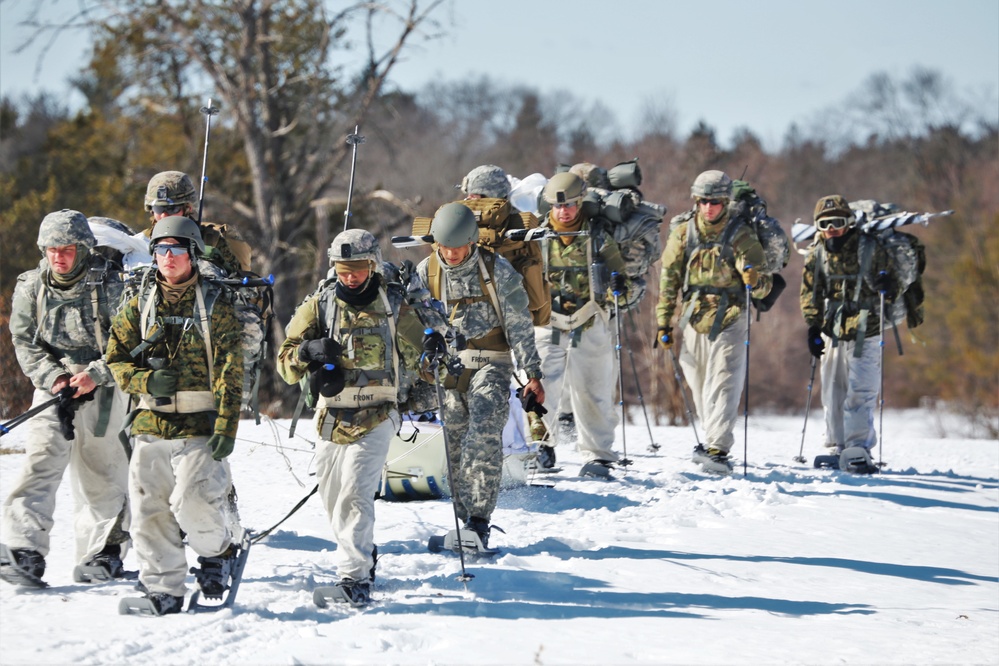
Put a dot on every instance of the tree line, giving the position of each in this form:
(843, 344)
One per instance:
(278, 169)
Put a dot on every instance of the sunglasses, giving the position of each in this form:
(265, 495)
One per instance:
(172, 209)
(565, 205)
(710, 202)
(175, 250)
(827, 223)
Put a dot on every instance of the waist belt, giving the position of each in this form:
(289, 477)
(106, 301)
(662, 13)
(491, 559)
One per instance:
(569, 322)
(181, 402)
(475, 359)
(357, 397)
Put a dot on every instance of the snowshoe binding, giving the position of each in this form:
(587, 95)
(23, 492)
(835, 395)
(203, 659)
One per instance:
(356, 593)
(598, 469)
(472, 539)
(218, 574)
(104, 566)
(857, 460)
(544, 463)
(714, 461)
(151, 605)
(22, 567)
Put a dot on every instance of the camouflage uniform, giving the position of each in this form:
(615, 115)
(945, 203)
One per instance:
(354, 440)
(56, 334)
(174, 480)
(850, 366)
(577, 347)
(713, 303)
(476, 405)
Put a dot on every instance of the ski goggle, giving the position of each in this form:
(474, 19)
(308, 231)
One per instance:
(827, 223)
(172, 209)
(175, 250)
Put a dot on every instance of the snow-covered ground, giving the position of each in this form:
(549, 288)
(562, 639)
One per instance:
(662, 564)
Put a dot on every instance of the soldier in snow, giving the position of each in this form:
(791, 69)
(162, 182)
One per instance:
(352, 338)
(59, 324)
(709, 273)
(176, 347)
(840, 301)
(486, 302)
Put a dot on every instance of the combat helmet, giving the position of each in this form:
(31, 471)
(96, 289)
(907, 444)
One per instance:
(487, 180)
(179, 227)
(65, 227)
(712, 185)
(169, 188)
(355, 245)
(564, 188)
(454, 225)
(834, 205)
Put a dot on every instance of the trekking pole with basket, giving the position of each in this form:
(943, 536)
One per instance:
(808, 405)
(624, 461)
(745, 385)
(653, 445)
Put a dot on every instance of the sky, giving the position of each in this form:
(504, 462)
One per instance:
(661, 565)
(762, 65)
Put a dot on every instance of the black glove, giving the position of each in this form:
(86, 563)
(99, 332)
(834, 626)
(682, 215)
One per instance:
(162, 383)
(883, 284)
(327, 383)
(66, 410)
(619, 284)
(816, 345)
(221, 445)
(664, 338)
(530, 402)
(323, 351)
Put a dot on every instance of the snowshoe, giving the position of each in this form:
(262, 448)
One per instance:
(151, 605)
(714, 461)
(857, 460)
(468, 541)
(218, 574)
(828, 461)
(357, 593)
(104, 566)
(22, 567)
(598, 469)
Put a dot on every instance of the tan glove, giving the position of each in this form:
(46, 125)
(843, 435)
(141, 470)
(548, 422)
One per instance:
(750, 276)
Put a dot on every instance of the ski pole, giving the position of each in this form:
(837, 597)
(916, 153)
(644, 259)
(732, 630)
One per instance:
(5, 428)
(808, 405)
(881, 372)
(653, 446)
(436, 361)
(352, 139)
(745, 385)
(683, 394)
(208, 111)
(624, 462)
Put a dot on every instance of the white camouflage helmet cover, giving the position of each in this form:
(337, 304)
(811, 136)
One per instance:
(487, 180)
(355, 245)
(65, 227)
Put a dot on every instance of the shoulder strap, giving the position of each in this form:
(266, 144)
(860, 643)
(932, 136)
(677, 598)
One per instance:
(488, 279)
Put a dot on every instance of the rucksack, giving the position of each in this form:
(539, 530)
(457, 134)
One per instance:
(253, 305)
(632, 222)
(747, 207)
(908, 258)
(495, 217)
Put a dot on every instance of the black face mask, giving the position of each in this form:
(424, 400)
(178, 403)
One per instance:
(836, 245)
(361, 296)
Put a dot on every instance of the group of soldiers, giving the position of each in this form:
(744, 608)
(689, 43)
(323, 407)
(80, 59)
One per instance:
(171, 350)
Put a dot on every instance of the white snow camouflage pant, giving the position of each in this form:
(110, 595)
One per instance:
(349, 476)
(850, 392)
(175, 485)
(586, 375)
(716, 372)
(475, 420)
(98, 475)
